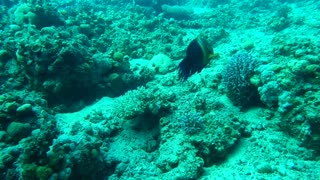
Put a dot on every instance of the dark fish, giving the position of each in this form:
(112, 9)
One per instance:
(198, 56)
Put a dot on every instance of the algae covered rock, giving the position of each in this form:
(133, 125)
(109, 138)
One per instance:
(178, 12)
(40, 16)
(23, 14)
(18, 130)
(116, 83)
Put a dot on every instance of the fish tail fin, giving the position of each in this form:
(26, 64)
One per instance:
(184, 70)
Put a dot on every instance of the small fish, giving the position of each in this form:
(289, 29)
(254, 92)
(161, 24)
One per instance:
(198, 55)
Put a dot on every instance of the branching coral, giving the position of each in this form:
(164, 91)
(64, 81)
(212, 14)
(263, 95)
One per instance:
(236, 78)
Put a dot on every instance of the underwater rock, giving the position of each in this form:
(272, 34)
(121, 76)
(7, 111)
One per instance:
(177, 12)
(18, 130)
(25, 108)
(160, 63)
(116, 83)
(86, 29)
(46, 17)
(103, 64)
(264, 167)
(23, 14)
(117, 56)
(4, 56)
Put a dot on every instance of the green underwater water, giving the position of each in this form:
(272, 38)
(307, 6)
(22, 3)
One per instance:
(96, 89)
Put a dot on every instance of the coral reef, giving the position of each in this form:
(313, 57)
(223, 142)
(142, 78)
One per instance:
(192, 122)
(47, 58)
